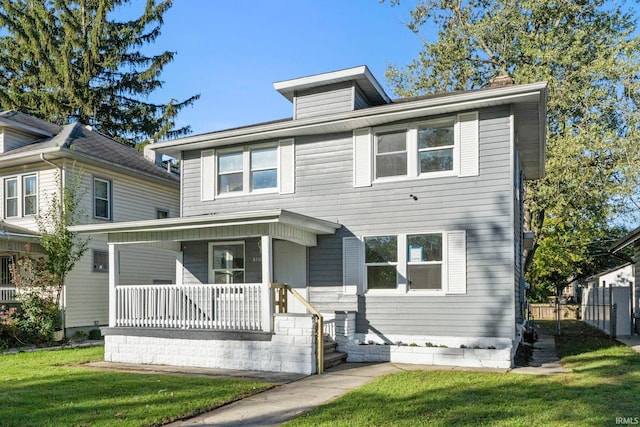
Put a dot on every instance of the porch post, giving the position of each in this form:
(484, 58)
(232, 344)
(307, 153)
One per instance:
(114, 278)
(267, 277)
(179, 267)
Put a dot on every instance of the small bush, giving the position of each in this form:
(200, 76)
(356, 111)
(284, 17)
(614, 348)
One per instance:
(37, 318)
(463, 346)
(95, 334)
(80, 336)
(413, 344)
(428, 344)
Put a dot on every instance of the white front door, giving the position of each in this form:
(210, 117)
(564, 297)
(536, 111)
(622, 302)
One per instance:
(290, 267)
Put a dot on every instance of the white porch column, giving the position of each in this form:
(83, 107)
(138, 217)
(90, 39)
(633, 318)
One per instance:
(267, 277)
(179, 267)
(114, 279)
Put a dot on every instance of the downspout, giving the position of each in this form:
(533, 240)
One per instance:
(64, 293)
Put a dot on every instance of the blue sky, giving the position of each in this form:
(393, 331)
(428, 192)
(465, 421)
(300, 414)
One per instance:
(231, 52)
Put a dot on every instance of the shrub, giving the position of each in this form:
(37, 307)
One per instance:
(37, 318)
(8, 329)
(95, 334)
(80, 336)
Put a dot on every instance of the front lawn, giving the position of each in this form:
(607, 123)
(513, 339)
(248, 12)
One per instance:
(47, 388)
(604, 384)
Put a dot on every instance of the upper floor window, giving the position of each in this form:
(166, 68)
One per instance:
(20, 196)
(102, 194)
(263, 168)
(435, 147)
(248, 170)
(443, 147)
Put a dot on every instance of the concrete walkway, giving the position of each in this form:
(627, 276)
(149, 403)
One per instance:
(544, 358)
(285, 402)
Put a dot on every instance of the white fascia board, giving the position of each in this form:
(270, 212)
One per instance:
(185, 223)
(287, 87)
(373, 116)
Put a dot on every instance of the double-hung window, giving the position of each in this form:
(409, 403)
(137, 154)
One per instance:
(248, 170)
(432, 262)
(20, 196)
(436, 144)
(381, 260)
(425, 261)
(230, 172)
(442, 147)
(391, 154)
(102, 193)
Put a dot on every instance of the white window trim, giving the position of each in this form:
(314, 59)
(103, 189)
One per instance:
(402, 264)
(20, 195)
(210, 272)
(109, 199)
(246, 171)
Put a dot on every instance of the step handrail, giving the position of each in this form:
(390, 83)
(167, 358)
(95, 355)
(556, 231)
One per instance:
(281, 303)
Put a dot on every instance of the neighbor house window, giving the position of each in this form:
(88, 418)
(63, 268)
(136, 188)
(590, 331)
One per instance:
(425, 261)
(5, 270)
(227, 262)
(101, 198)
(162, 213)
(100, 261)
(435, 147)
(252, 169)
(381, 259)
(20, 196)
(391, 154)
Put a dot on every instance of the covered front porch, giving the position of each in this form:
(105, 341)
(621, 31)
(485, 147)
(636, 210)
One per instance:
(221, 310)
(14, 241)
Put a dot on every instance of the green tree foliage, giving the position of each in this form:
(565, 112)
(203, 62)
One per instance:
(588, 52)
(68, 60)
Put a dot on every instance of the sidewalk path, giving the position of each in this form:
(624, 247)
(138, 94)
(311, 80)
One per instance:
(544, 358)
(632, 341)
(285, 402)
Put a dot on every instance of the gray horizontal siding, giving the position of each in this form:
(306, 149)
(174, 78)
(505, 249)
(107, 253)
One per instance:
(326, 100)
(482, 205)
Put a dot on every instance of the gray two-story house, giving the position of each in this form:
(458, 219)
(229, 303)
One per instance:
(400, 221)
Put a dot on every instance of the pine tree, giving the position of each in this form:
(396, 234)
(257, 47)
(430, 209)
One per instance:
(589, 53)
(68, 60)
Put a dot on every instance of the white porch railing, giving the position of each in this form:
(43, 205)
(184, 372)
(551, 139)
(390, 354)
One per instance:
(219, 307)
(7, 293)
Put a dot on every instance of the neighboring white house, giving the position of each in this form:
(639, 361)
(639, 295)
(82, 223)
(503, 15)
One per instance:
(116, 183)
(400, 220)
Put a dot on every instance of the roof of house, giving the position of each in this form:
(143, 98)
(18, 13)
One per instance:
(528, 103)
(625, 240)
(14, 232)
(26, 122)
(84, 143)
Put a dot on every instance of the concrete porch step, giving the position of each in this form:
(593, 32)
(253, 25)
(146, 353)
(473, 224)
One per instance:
(334, 358)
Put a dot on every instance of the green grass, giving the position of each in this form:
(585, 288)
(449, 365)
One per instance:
(49, 388)
(604, 384)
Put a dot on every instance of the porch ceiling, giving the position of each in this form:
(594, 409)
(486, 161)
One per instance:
(278, 223)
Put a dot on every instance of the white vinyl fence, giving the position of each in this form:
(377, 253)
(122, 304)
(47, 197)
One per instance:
(217, 307)
(598, 305)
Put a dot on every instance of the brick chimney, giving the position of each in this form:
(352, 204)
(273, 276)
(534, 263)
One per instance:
(501, 80)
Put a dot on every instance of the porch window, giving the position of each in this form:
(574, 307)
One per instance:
(425, 261)
(5, 270)
(381, 260)
(101, 198)
(100, 261)
(227, 261)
